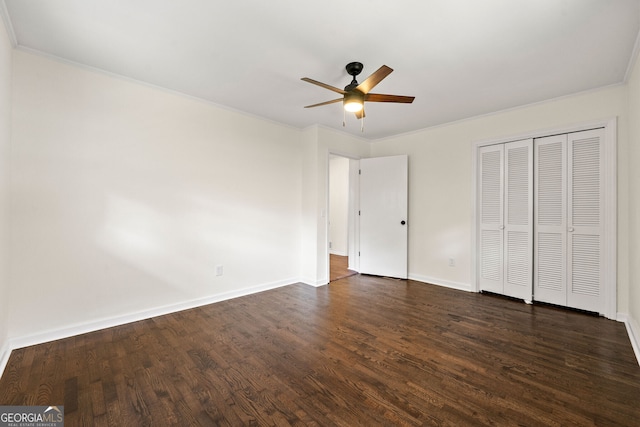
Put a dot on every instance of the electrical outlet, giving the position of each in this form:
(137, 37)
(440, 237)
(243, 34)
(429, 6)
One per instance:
(219, 270)
(452, 262)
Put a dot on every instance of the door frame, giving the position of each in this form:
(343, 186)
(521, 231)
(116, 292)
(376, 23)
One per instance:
(610, 201)
(353, 241)
(346, 212)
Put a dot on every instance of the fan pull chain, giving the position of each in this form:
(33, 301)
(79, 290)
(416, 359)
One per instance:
(344, 117)
(362, 124)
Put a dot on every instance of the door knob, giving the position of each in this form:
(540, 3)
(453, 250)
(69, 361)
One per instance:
(570, 228)
(403, 222)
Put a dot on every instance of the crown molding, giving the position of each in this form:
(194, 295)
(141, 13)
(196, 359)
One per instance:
(6, 18)
(632, 59)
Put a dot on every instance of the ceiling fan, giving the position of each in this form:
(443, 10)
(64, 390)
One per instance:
(355, 94)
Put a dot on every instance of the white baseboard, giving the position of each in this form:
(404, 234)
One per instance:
(440, 282)
(66, 332)
(314, 282)
(633, 330)
(83, 328)
(5, 352)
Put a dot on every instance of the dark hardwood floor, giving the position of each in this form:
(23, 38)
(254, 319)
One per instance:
(339, 267)
(361, 351)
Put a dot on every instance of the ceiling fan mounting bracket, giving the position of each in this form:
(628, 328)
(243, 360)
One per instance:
(354, 68)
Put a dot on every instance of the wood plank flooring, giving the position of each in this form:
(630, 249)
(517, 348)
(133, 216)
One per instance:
(339, 267)
(361, 351)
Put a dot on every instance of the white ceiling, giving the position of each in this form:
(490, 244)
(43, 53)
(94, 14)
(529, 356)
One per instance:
(459, 58)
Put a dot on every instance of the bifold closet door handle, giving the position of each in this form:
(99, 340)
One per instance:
(403, 222)
(571, 229)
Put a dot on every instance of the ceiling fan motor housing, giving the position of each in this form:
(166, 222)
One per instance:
(353, 68)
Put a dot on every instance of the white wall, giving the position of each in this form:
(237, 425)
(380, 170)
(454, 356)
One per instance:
(338, 205)
(440, 206)
(126, 198)
(319, 142)
(5, 136)
(633, 161)
(310, 209)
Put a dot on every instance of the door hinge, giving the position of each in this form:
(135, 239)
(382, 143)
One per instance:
(358, 212)
(359, 171)
(358, 253)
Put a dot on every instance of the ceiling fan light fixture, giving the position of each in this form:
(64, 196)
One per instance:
(353, 102)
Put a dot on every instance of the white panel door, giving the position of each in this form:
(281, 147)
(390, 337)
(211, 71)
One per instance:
(383, 216)
(491, 210)
(518, 219)
(550, 231)
(585, 249)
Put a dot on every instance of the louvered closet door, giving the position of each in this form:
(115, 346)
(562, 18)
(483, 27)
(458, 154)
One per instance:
(518, 219)
(491, 190)
(506, 223)
(585, 277)
(550, 231)
(569, 212)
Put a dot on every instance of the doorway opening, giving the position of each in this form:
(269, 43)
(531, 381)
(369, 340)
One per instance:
(339, 267)
(342, 221)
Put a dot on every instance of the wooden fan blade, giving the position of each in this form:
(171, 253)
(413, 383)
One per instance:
(324, 103)
(379, 97)
(374, 79)
(324, 85)
(359, 114)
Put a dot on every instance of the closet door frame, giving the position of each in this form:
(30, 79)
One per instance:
(609, 161)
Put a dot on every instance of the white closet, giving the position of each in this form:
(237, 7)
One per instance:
(569, 213)
(545, 217)
(505, 218)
